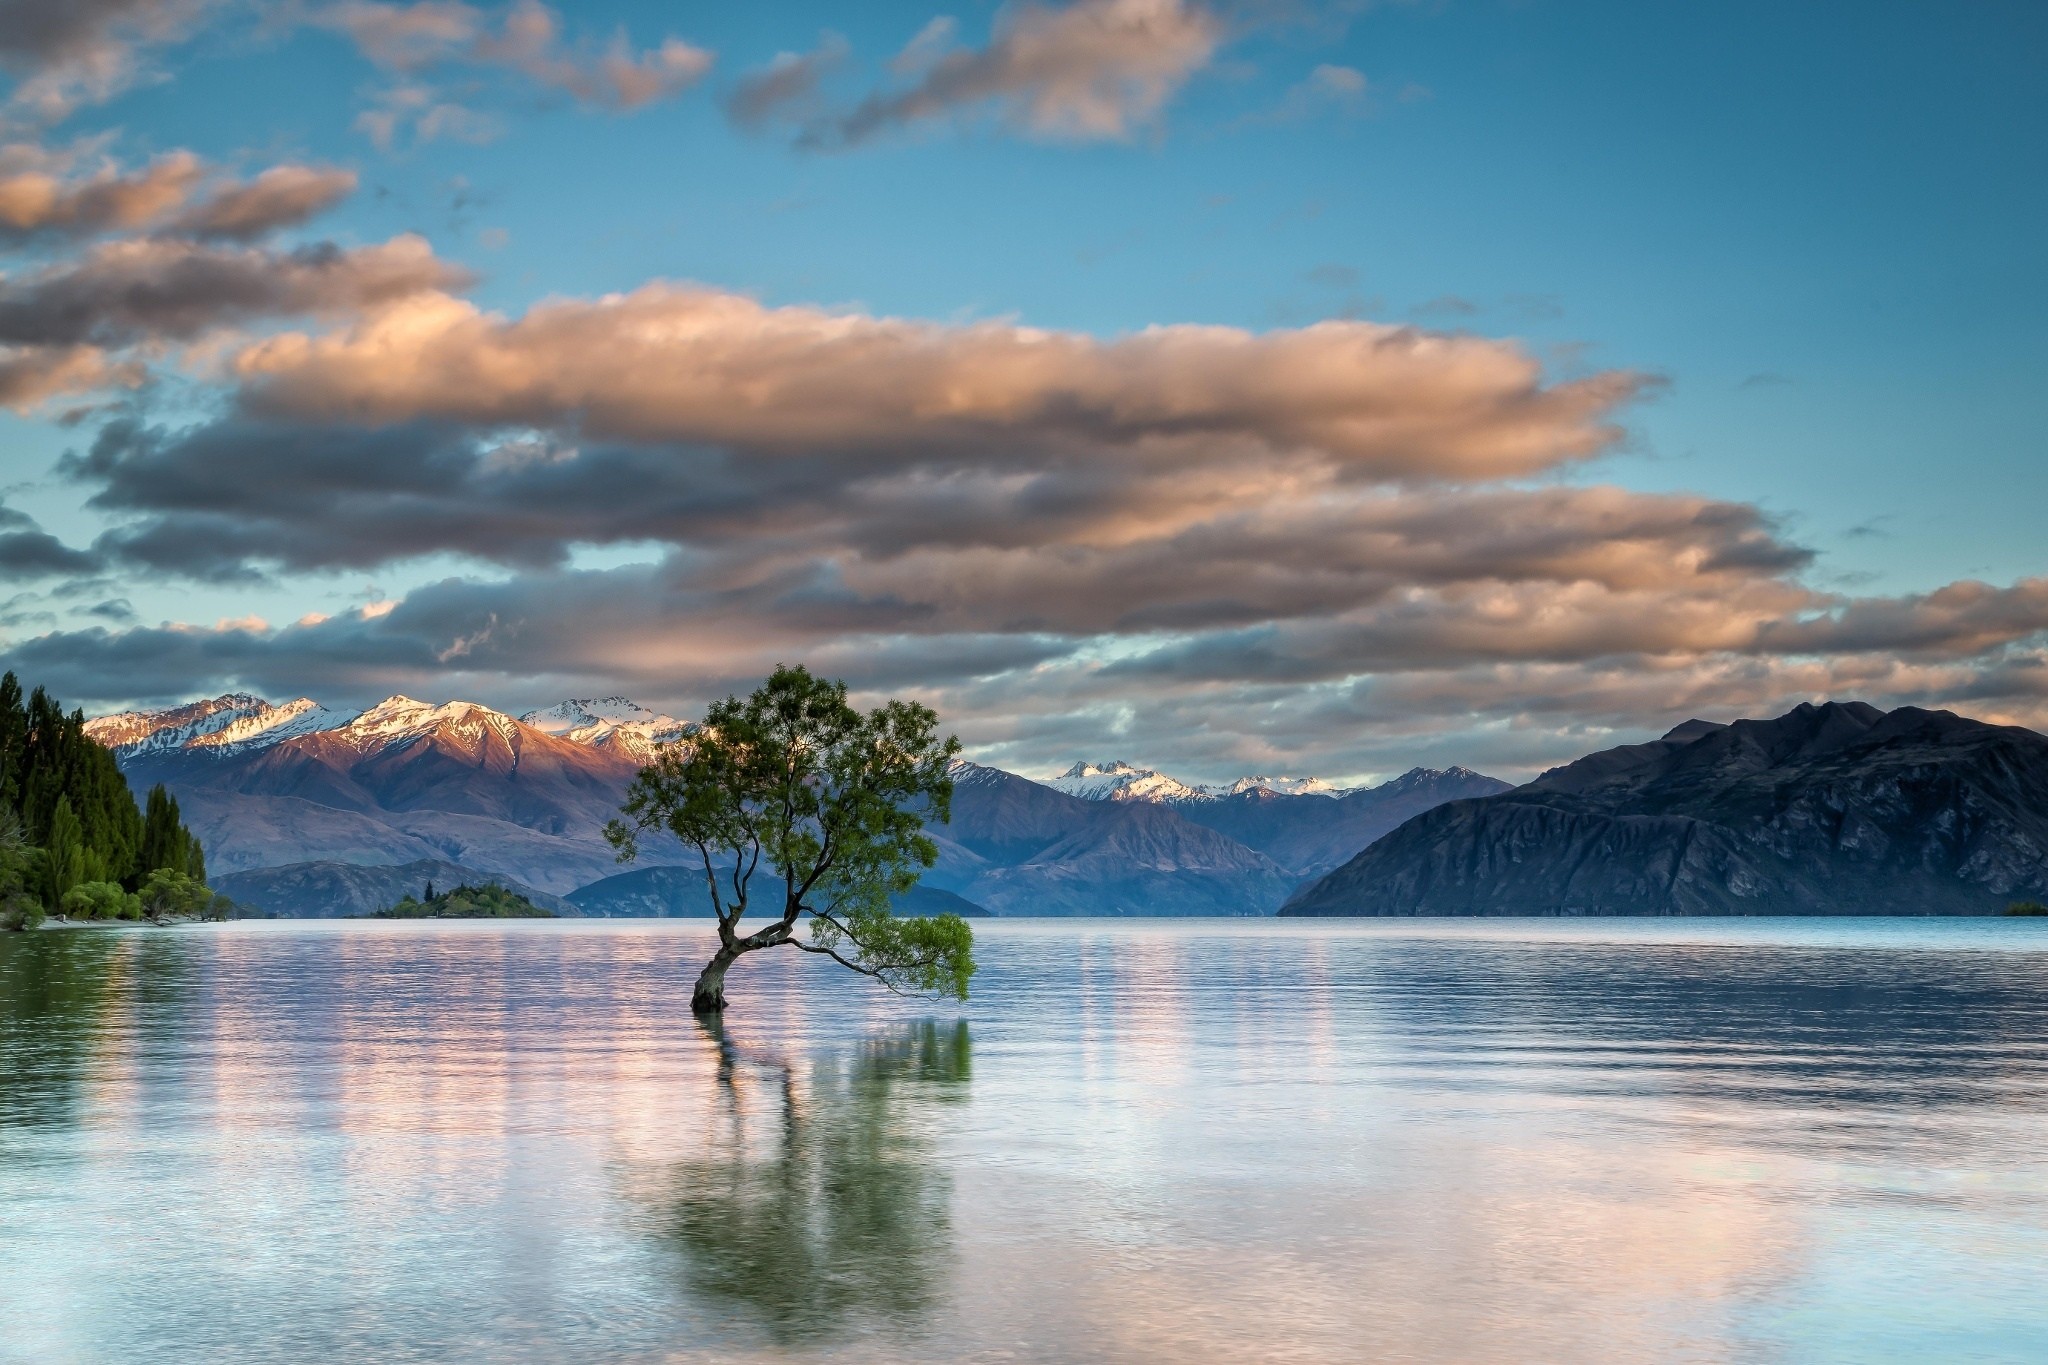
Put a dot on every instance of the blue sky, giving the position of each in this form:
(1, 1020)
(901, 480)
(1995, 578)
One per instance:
(1814, 230)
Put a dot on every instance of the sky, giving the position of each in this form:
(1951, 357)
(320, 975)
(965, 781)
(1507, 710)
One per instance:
(1278, 386)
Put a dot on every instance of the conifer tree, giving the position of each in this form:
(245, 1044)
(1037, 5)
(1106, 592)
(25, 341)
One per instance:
(63, 853)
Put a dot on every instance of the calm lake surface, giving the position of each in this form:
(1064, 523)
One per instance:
(1250, 1140)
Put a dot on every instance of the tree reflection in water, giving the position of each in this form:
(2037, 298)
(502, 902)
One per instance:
(54, 990)
(844, 1217)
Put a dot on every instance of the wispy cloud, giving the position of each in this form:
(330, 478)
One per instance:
(525, 38)
(1093, 70)
(68, 53)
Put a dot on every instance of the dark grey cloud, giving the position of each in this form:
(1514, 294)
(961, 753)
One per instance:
(120, 293)
(116, 609)
(28, 552)
(67, 52)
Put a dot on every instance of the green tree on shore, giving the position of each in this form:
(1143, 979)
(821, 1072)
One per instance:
(73, 814)
(834, 802)
(63, 854)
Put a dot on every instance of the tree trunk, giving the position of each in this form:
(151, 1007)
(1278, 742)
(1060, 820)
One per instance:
(709, 996)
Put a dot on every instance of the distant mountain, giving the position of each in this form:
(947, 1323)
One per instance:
(222, 725)
(1121, 780)
(607, 721)
(1310, 835)
(1839, 809)
(403, 781)
(525, 801)
(1046, 852)
(664, 892)
(328, 890)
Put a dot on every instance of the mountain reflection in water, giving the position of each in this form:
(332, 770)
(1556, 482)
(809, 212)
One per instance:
(1301, 1141)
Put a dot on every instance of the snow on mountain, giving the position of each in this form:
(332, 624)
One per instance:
(1122, 781)
(218, 725)
(606, 721)
(1285, 786)
(399, 718)
(270, 725)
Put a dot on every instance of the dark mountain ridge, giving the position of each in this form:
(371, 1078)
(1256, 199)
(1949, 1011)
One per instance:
(1835, 809)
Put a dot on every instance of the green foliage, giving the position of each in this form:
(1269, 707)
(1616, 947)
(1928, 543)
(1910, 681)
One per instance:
(63, 853)
(933, 956)
(69, 797)
(20, 868)
(100, 900)
(165, 840)
(489, 901)
(2026, 908)
(834, 802)
(168, 892)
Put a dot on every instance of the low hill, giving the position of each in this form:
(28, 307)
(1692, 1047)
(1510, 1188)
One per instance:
(1839, 809)
(332, 890)
(465, 901)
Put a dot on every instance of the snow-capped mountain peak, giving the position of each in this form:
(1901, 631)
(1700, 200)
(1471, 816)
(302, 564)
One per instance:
(1285, 786)
(269, 725)
(401, 718)
(1123, 781)
(217, 725)
(606, 721)
(579, 713)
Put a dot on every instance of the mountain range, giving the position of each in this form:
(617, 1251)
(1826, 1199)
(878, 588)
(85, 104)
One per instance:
(1833, 809)
(297, 804)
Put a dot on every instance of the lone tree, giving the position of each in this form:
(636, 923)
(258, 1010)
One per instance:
(834, 803)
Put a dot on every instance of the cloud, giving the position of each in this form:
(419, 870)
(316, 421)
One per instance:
(71, 52)
(53, 193)
(1338, 402)
(787, 87)
(1328, 89)
(41, 193)
(27, 551)
(126, 292)
(525, 38)
(418, 111)
(530, 41)
(405, 37)
(33, 375)
(283, 196)
(1093, 70)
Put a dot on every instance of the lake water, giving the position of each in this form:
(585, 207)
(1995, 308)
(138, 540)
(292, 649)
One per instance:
(1245, 1140)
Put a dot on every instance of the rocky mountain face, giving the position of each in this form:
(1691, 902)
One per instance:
(221, 725)
(294, 792)
(1839, 809)
(401, 782)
